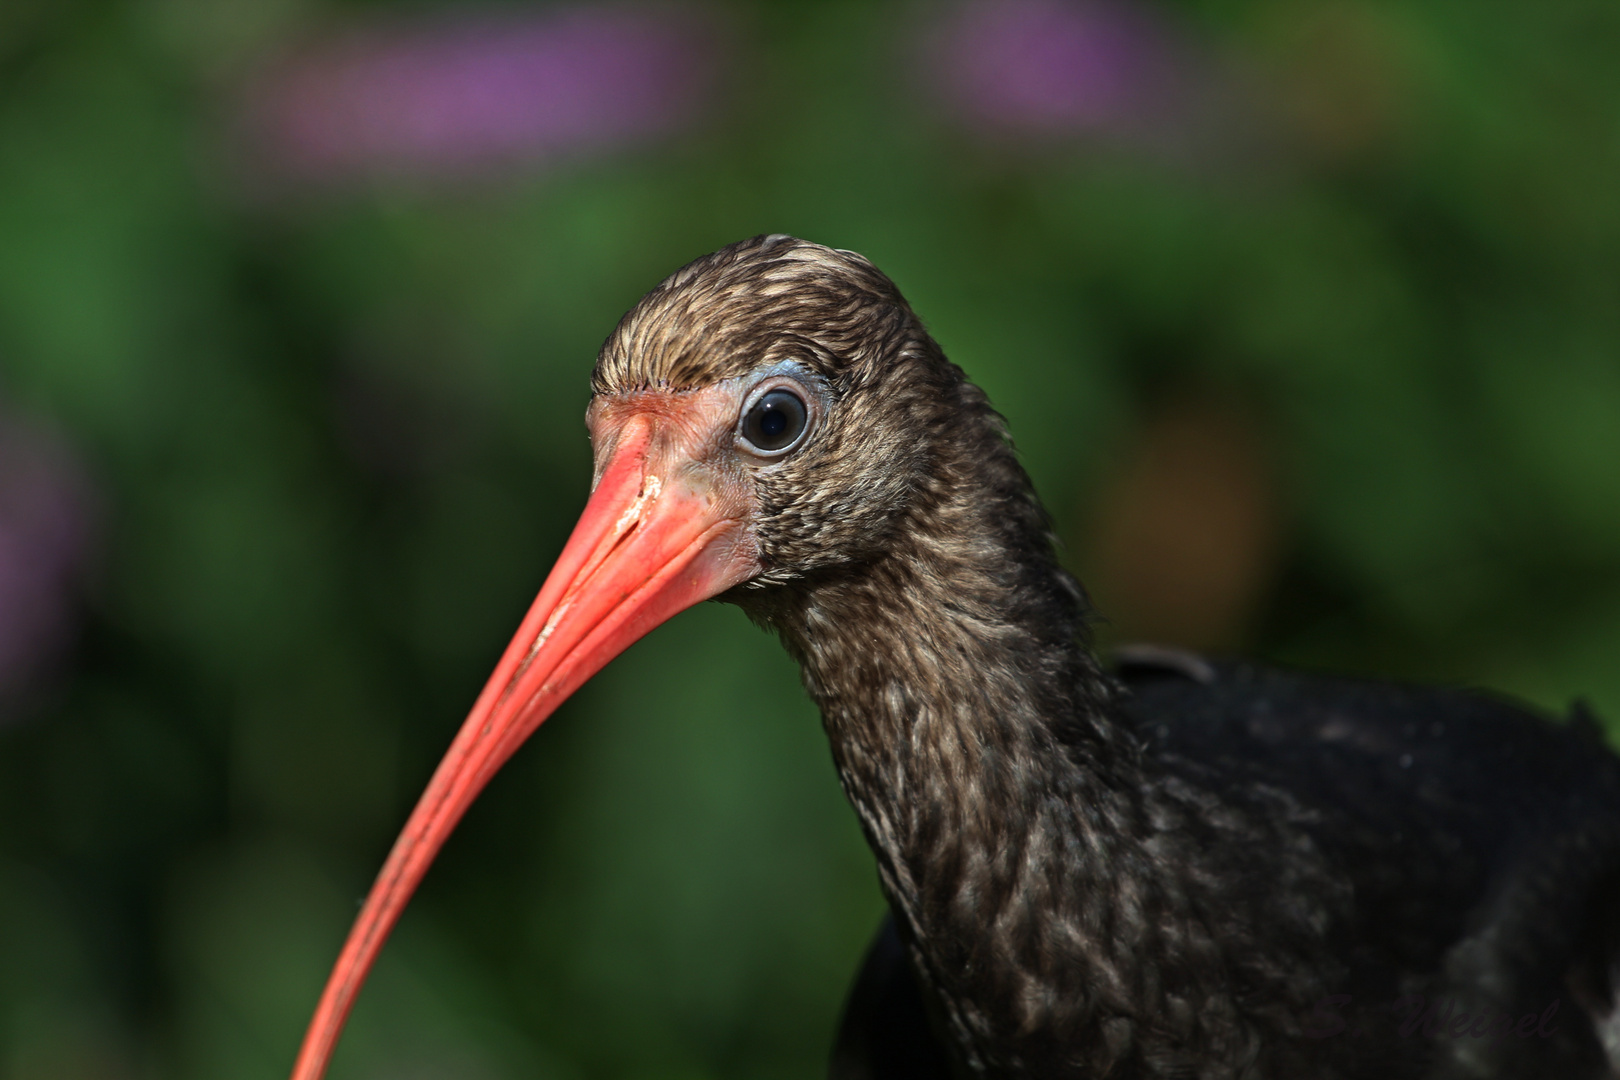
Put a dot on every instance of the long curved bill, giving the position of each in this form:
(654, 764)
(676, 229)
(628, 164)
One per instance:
(646, 547)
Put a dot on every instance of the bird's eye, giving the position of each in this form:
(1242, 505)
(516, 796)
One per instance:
(775, 422)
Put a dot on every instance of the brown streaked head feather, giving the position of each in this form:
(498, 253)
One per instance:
(907, 449)
(747, 306)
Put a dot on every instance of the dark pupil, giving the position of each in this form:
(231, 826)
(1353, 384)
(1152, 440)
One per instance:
(775, 420)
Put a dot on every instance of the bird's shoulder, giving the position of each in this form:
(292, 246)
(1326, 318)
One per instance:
(1270, 718)
(1467, 770)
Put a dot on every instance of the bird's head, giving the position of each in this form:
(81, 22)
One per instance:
(791, 384)
(767, 414)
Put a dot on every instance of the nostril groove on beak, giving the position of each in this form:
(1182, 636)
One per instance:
(650, 487)
(624, 530)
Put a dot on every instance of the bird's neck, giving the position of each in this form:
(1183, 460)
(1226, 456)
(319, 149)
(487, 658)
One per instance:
(970, 727)
(968, 721)
(957, 731)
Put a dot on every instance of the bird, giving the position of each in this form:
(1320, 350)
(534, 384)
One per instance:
(1167, 866)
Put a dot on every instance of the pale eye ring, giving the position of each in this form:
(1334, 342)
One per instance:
(775, 422)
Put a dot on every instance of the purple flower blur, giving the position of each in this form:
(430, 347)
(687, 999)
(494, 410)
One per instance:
(44, 536)
(1057, 67)
(462, 93)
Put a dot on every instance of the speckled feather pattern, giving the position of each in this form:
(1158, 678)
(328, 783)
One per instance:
(1082, 892)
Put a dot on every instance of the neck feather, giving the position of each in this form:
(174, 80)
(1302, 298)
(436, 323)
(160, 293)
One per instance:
(1065, 899)
(970, 727)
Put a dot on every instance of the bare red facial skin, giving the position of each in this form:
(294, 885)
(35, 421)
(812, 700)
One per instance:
(666, 527)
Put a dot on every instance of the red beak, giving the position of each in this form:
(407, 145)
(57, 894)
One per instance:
(653, 540)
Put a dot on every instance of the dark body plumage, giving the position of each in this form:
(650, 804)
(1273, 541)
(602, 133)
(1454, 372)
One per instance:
(1147, 873)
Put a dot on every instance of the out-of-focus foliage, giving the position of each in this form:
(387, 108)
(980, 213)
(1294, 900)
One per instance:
(1303, 312)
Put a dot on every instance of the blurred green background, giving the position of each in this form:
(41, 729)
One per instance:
(1305, 315)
